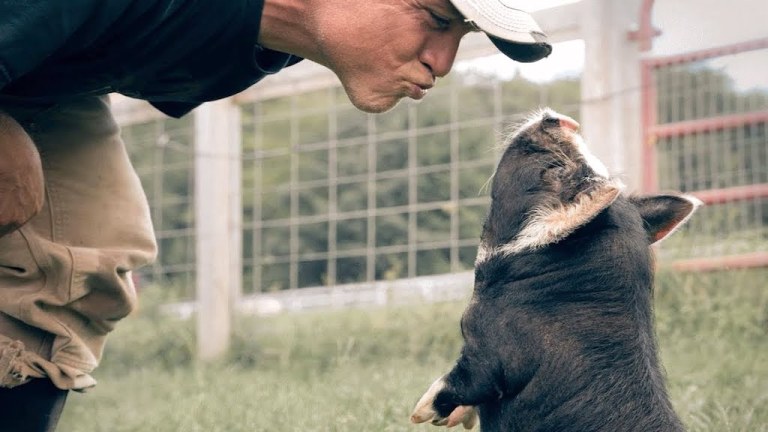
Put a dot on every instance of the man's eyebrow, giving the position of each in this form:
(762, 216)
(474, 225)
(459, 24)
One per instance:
(454, 14)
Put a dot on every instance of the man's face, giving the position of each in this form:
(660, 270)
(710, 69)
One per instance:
(384, 50)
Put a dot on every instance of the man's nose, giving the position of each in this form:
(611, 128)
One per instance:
(438, 55)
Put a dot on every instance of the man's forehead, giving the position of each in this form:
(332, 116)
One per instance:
(450, 8)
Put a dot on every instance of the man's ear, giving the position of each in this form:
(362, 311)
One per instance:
(664, 214)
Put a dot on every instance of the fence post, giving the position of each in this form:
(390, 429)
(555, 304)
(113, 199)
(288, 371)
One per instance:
(611, 87)
(217, 223)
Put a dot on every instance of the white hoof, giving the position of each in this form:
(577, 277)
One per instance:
(425, 410)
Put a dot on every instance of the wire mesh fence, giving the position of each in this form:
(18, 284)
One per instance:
(708, 130)
(331, 195)
(162, 153)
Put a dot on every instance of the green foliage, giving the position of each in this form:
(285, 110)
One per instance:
(713, 330)
(290, 168)
(716, 159)
(150, 338)
(696, 90)
(729, 228)
(314, 157)
(316, 342)
(362, 370)
(292, 148)
(163, 154)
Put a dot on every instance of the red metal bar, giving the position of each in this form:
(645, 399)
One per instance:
(706, 53)
(646, 31)
(738, 193)
(708, 124)
(652, 131)
(733, 262)
(649, 120)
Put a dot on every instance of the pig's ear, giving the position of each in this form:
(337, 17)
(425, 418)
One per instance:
(664, 214)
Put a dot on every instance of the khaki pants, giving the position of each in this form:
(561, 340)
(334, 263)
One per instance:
(65, 276)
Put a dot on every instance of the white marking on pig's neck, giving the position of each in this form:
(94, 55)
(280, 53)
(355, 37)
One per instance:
(483, 252)
(549, 224)
(596, 164)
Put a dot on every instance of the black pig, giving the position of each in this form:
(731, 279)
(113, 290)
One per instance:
(559, 332)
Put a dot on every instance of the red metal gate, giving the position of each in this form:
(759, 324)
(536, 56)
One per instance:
(706, 134)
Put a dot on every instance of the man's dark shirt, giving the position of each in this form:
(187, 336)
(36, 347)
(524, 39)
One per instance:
(175, 54)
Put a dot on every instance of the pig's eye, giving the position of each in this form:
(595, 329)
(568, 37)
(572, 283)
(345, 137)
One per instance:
(556, 169)
(556, 164)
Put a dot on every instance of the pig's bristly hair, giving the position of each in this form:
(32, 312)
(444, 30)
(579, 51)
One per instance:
(551, 223)
(512, 130)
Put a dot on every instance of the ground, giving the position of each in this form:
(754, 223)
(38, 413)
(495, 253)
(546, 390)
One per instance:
(362, 370)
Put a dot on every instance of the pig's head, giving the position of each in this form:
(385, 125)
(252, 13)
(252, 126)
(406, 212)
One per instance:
(548, 184)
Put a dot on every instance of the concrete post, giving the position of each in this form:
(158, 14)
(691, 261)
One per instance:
(217, 223)
(610, 86)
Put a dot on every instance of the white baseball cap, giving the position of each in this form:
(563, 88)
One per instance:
(509, 27)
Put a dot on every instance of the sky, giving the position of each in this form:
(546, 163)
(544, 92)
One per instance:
(686, 25)
(567, 59)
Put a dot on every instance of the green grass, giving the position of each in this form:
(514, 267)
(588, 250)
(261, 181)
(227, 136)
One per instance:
(362, 370)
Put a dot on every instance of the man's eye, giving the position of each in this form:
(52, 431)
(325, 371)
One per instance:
(440, 22)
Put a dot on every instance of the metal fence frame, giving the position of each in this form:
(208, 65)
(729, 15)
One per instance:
(614, 91)
(653, 131)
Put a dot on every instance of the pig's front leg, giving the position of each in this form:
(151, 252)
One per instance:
(425, 409)
(450, 400)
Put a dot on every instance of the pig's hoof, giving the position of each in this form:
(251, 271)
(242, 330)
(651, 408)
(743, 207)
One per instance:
(425, 410)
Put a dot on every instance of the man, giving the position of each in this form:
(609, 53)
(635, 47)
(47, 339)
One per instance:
(68, 247)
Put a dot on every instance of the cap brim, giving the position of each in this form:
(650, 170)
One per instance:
(512, 30)
(524, 53)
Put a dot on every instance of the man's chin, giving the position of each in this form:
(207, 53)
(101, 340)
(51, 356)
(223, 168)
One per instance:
(374, 105)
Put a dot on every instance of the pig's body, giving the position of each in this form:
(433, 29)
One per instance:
(559, 333)
(570, 330)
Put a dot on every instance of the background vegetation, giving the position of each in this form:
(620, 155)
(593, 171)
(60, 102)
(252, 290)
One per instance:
(362, 370)
(306, 166)
(313, 167)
